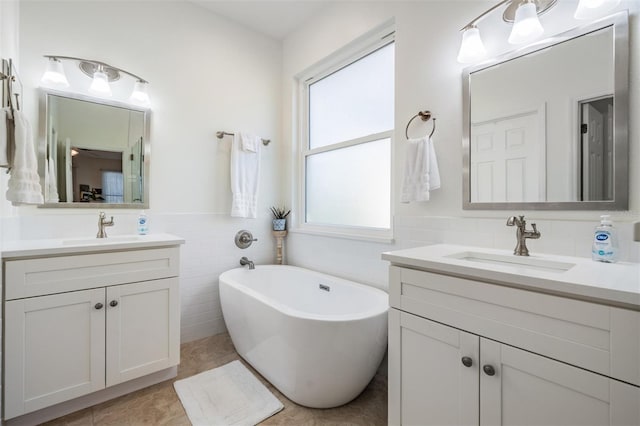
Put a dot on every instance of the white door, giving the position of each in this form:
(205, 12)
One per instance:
(54, 349)
(528, 389)
(428, 382)
(143, 325)
(507, 159)
(594, 155)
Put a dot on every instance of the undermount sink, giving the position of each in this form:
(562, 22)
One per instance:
(515, 261)
(112, 240)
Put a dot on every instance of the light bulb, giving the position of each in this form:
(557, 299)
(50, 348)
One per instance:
(588, 9)
(526, 25)
(54, 74)
(139, 96)
(471, 48)
(100, 84)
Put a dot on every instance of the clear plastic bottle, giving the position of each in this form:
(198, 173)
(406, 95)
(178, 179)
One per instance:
(605, 241)
(143, 223)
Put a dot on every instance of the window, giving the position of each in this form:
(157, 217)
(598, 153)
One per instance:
(347, 121)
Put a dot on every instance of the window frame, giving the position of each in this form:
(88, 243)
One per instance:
(360, 48)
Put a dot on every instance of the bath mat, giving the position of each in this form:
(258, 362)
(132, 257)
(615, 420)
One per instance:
(227, 395)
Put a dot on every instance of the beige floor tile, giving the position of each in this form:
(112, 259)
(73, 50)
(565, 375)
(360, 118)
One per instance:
(160, 405)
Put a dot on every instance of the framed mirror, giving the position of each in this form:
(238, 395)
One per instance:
(93, 153)
(546, 127)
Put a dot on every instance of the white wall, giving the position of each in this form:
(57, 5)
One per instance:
(428, 77)
(206, 74)
(8, 49)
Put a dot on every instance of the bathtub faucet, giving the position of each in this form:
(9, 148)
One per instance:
(245, 261)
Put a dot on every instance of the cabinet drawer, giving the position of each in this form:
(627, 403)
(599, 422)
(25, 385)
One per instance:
(36, 277)
(599, 338)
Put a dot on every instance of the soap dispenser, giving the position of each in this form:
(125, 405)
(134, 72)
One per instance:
(605, 241)
(143, 223)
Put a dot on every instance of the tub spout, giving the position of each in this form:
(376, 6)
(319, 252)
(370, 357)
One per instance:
(245, 261)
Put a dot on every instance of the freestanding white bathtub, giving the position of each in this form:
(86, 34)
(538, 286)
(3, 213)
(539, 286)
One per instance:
(317, 338)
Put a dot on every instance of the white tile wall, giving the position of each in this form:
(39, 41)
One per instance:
(360, 261)
(209, 250)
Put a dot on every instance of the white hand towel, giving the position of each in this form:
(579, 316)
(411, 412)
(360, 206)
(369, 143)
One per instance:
(421, 173)
(249, 142)
(245, 172)
(4, 141)
(24, 183)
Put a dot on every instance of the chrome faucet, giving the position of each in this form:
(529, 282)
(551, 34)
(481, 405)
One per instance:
(102, 223)
(245, 261)
(522, 234)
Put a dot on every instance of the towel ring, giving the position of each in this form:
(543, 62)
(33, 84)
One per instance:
(424, 116)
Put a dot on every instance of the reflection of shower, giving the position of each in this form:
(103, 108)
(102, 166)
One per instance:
(596, 162)
(137, 164)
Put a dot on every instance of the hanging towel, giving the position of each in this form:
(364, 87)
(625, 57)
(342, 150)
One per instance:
(24, 182)
(4, 139)
(249, 142)
(51, 182)
(245, 170)
(421, 174)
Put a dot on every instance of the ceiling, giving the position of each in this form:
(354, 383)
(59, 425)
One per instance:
(275, 19)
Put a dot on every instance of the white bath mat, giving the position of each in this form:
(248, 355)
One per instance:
(227, 395)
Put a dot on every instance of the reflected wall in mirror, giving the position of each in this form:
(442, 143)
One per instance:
(546, 128)
(94, 152)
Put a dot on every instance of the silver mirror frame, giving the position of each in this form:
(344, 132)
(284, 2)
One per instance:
(620, 24)
(42, 143)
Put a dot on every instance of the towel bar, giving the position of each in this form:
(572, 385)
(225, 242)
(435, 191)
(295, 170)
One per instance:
(220, 135)
(424, 116)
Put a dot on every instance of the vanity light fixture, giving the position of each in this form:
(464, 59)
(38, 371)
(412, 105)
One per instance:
(102, 75)
(472, 48)
(54, 74)
(139, 96)
(100, 84)
(524, 14)
(588, 9)
(526, 25)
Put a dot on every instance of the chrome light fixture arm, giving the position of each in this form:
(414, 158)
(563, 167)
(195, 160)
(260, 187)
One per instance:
(485, 13)
(97, 63)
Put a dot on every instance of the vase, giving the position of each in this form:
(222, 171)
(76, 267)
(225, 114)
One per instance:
(279, 224)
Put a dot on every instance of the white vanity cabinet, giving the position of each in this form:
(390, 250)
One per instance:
(79, 323)
(470, 352)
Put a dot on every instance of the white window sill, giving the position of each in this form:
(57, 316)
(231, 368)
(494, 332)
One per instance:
(344, 235)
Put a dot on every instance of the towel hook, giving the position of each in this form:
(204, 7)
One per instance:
(424, 116)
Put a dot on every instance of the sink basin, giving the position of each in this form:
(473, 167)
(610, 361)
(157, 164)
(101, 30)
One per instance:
(92, 241)
(514, 261)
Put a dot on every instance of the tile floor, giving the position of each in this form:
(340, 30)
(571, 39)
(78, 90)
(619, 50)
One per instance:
(159, 404)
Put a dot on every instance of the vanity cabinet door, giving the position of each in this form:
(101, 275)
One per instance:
(54, 349)
(433, 373)
(528, 389)
(143, 326)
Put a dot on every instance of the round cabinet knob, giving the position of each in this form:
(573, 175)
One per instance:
(488, 370)
(467, 361)
(113, 303)
(98, 305)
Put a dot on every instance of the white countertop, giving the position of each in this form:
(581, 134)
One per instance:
(610, 283)
(50, 247)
